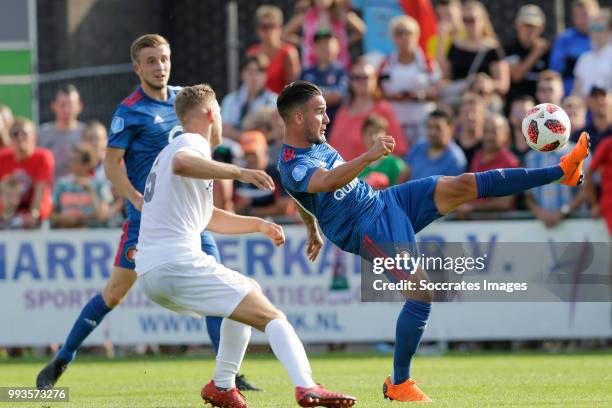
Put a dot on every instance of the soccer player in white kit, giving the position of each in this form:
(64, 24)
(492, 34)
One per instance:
(175, 273)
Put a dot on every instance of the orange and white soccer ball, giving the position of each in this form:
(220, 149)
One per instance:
(546, 127)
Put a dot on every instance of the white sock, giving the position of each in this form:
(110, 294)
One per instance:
(288, 348)
(232, 346)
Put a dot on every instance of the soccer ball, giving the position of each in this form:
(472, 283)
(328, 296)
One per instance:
(546, 127)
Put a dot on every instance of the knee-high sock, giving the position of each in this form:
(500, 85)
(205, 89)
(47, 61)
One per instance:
(408, 332)
(503, 182)
(288, 348)
(234, 340)
(213, 327)
(90, 318)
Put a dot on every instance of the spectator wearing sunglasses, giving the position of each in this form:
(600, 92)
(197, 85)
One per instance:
(594, 68)
(33, 168)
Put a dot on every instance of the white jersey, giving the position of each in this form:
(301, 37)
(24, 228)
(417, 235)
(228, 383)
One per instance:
(176, 209)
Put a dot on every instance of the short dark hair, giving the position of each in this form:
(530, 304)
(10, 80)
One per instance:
(295, 94)
(524, 98)
(442, 114)
(260, 60)
(376, 123)
(66, 89)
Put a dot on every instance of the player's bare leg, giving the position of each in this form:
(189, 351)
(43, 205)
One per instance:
(255, 310)
(118, 286)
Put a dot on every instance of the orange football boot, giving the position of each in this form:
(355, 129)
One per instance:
(405, 392)
(571, 163)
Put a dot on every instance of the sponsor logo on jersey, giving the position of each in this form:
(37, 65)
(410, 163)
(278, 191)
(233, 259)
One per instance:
(117, 124)
(342, 192)
(130, 254)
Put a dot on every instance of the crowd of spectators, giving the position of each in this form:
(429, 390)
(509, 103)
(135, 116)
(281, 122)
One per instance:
(453, 105)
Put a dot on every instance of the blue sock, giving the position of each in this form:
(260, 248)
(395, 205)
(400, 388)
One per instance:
(503, 182)
(213, 326)
(90, 318)
(408, 332)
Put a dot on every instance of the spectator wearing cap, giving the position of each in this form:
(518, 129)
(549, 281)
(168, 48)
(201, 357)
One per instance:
(284, 60)
(407, 80)
(33, 167)
(331, 78)
(251, 96)
(529, 53)
(61, 135)
(600, 126)
(331, 15)
(363, 100)
(573, 42)
(388, 170)
(594, 67)
(494, 154)
(250, 200)
(79, 200)
(438, 153)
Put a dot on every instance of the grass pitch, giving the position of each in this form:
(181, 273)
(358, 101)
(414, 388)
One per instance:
(475, 380)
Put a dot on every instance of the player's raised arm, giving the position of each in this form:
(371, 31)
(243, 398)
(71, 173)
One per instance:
(225, 222)
(115, 172)
(191, 164)
(329, 180)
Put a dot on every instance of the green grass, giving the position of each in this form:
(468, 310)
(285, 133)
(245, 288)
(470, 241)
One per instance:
(476, 380)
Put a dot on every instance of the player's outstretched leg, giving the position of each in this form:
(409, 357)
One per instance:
(100, 305)
(256, 311)
(451, 192)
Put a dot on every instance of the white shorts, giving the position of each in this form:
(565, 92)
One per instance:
(200, 287)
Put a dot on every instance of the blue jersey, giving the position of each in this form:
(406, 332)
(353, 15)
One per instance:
(141, 126)
(344, 214)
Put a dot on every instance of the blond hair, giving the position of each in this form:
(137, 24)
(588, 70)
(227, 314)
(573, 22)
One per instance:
(191, 97)
(488, 31)
(21, 123)
(146, 41)
(268, 10)
(404, 21)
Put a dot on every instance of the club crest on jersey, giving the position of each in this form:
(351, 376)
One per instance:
(299, 172)
(117, 124)
(130, 254)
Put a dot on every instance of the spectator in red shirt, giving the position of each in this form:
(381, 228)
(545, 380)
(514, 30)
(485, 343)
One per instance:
(33, 167)
(494, 154)
(602, 162)
(345, 135)
(284, 59)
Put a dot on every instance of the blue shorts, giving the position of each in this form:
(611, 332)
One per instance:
(127, 246)
(409, 207)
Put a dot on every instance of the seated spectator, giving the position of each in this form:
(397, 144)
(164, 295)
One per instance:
(407, 80)
(529, 52)
(61, 135)
(6, 122)
(518, 110)
(249, 199)
(79, 200)
(479, 51)
(469, 126)
(594, 67)
(33, 167)
(331, 15)
(269, 122)
(326, 74)
(438, 154)
(549, 88)
(576, 111)
(494, 154)
(251, 96)
(483, 86)
(602, 166)
(345, 135)
(600, 127)
(388, 170)
(284, 61)
(553, 202)
(573, 42)
(10, 198)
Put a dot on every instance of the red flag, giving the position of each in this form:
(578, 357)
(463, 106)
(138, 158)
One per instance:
(423, 12)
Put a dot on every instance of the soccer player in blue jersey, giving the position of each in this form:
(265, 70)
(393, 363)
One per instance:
(142, 125)
(357, 218)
